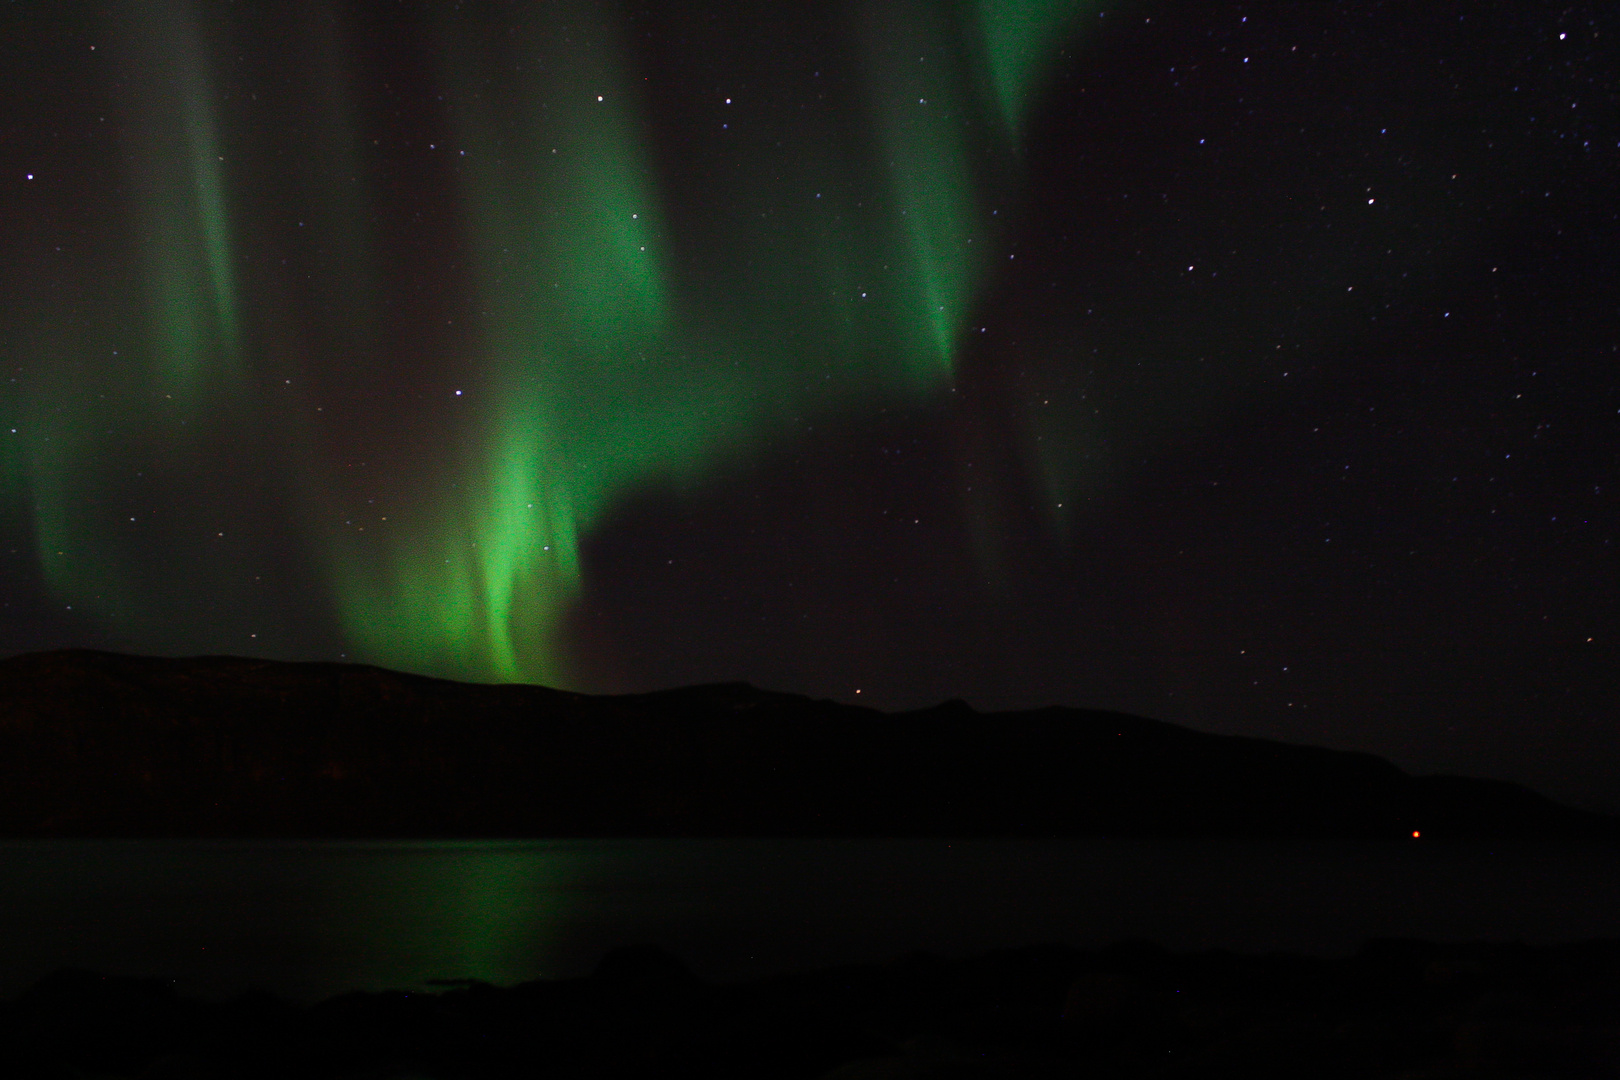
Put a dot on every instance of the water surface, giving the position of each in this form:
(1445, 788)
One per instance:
(309, 919)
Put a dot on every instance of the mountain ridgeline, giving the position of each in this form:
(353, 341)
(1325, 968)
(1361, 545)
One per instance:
(102, 744)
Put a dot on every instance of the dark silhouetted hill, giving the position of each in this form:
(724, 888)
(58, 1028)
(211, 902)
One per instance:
(100, 744)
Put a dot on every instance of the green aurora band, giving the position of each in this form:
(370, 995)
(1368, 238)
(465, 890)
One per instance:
(618, 323)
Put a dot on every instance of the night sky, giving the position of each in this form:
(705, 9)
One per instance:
(1249, 366)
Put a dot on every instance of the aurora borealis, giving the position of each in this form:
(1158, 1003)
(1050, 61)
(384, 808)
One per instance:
(615, 330)
(1250, 367)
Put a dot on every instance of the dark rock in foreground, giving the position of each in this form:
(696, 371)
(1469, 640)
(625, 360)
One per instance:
(109, 745)
(1403, 1009)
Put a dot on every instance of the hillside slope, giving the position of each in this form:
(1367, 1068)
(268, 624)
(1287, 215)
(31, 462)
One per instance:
(110, 745)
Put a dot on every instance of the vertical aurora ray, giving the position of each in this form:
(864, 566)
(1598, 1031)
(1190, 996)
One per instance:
(642, 304)
(133, 330)
(925, 126)
(1017, 38)
(569, 281)
(477, 584)
(176, 158)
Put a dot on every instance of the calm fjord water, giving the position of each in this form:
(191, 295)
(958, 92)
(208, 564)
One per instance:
(310, 919)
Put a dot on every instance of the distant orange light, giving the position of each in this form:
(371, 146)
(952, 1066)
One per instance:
(1416, 834)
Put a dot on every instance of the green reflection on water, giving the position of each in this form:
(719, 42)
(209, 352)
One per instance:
(496, 911)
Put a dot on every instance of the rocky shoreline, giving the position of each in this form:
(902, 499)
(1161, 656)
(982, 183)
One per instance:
(1396, 1008)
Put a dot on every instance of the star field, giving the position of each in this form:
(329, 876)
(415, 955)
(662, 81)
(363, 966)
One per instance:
(1251, 366)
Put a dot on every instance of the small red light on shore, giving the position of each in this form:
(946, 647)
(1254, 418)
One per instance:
(1416, 834)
